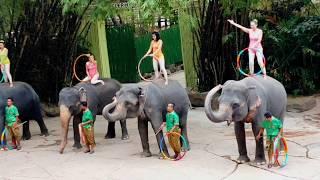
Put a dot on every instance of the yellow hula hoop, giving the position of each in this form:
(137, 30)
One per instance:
(139, 71)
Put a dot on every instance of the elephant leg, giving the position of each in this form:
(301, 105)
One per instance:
(184, 131)
(26, 135)
(260, 157)
(156, 125)
(111, 131)
(143, 131)
(241, 140)
(76, 122)
(124, 129)
(43, 128)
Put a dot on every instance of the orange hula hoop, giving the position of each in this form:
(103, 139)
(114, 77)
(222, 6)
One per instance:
(74, 67)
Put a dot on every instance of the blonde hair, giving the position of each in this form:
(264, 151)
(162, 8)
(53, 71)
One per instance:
(255, 21)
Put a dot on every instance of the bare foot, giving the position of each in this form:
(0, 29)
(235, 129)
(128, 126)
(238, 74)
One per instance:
(11, 84)
(166, 83)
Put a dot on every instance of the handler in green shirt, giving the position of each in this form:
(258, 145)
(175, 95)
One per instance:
(87, 128)
(172, 126)
(11, 113)
(274, 128)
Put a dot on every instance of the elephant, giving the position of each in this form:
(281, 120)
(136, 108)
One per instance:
(148, 103)
(246, 101)
(28, 104)
(97, 96)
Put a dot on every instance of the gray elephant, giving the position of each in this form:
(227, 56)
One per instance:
(28, 104)
(97, 96)
(149, 103)
(246, 101)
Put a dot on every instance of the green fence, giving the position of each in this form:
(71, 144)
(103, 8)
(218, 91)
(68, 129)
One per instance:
(121, 50)
(171, 47)
(125, 51)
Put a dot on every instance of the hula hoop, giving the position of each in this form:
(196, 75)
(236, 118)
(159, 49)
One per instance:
(5, 134)
(238, 61)
(184, 144)
(139, 64)
(2, 78)
(74, 67)
(277, 149)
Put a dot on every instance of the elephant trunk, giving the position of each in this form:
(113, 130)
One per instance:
(224, 111)
(118, 114)
(65, 117)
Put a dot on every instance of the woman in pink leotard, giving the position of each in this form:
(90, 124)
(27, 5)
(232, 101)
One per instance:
(255, 47)
(92, 71)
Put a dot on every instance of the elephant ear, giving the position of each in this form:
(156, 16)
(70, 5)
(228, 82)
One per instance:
(253, 98)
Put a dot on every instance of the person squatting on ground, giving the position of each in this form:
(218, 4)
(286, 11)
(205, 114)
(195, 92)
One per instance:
(255, 46)
(274, 130)
(172, 125)
(5, 63)
(12, 120)
(92, 71)
(86, 127)
(158, 57)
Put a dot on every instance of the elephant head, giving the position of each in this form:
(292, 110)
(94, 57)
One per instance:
(126, 104)
(237, 102)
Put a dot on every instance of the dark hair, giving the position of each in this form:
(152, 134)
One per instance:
(268, 115)
(85, 104)
(10, 98)
(173, 105)
(157, 34)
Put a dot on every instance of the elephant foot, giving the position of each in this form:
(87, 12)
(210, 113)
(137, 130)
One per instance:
(146, 154)
(26, 137)
(46, 133)
(125, 137)
(260, 161)
(109, 136)
(77, 145)
(243, 159)
(61, 150)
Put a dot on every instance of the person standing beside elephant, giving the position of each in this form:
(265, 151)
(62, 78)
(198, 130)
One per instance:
(255, 46)
(92, 71)
(172, 126)
(87, 128)
(5, 63)
(274, 129)
(12, 119)
(158, 57)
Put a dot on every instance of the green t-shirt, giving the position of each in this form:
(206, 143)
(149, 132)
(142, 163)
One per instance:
(272, 127)
(87, 116)
(11, 115)
(172, 119)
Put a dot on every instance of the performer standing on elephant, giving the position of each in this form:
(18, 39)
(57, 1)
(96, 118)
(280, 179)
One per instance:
(12, 120)
(92, 71)
(87, 128)
(172, 125)
(5, 63)
(274, 129)
(255, 46)
(158, 57)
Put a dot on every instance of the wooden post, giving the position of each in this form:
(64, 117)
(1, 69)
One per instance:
(97, 38)
(187, 52)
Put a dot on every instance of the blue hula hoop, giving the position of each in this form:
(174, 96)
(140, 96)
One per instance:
(238, 61)
(184, 144)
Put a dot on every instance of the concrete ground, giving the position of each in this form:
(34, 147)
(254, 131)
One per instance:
(212, 156)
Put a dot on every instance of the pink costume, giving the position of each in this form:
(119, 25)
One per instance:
(92, 69)
(255, 37)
